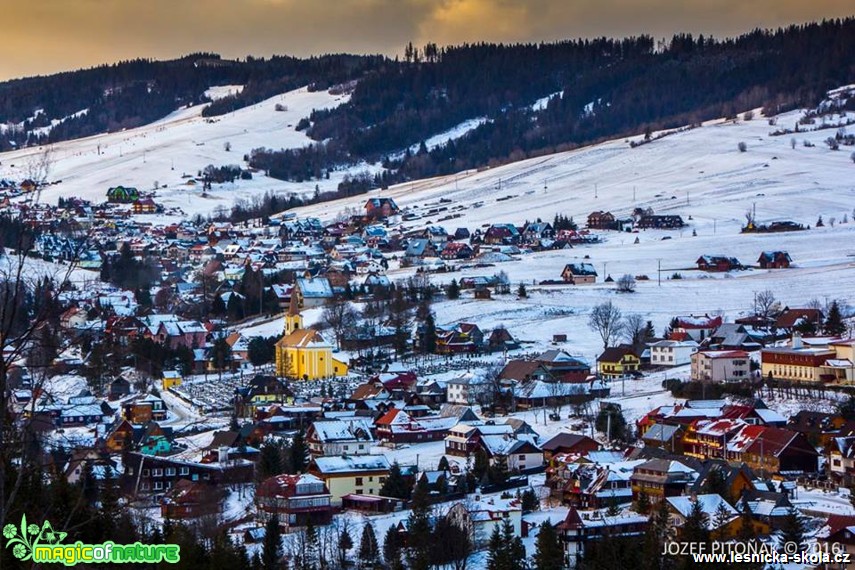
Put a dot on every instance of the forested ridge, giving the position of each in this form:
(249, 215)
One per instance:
(598, 88)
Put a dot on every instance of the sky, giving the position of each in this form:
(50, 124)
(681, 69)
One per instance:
(56, 35)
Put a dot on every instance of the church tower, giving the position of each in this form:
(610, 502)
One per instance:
(293, 318)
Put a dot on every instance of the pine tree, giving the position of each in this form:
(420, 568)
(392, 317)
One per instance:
(345, 543)
(521, 291)
(720, 519)
(368, 547)
(395, 484)
(453, 290)
(834, 325)
(270, 460)
(299, 452)
(549, 554)
(793, 529)
(696, 527)
(746, 523)
(419, 529)
(529, 501)
(443, 464)
(613, 509)
(271, 549)
(429, 344)
(392, 548)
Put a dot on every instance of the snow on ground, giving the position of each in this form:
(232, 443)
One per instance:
(451, 134)
(184, 142)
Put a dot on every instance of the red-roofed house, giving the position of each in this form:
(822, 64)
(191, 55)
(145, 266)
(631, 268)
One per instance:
(296, 499)
(396, 426)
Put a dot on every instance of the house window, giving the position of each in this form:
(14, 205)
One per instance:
(158, 485)
(157, 472)
(184, 471)
(145, 472)
(522, 457)
(359, 481)
(170, 471)
(359, 491)
(144, 486)
(381, 480)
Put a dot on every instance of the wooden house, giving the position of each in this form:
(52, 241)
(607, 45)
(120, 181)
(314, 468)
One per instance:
(774, 260)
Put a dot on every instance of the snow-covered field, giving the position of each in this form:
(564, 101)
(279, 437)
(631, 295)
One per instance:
(184, 142)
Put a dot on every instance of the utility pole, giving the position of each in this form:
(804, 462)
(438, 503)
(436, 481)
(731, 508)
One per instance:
(659, 261)
(595, 191)
(633, 194)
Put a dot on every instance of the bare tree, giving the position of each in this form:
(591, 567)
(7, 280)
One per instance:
(634, 328)
(765, 304)
(340, 316)
(607, 321)
(626, 284)
(38, 169)
(28, 321)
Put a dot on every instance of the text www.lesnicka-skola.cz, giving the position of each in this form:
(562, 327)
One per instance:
(756, 552)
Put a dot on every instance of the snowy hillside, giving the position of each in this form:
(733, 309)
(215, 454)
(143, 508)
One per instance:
(182, 143)
(700, 174)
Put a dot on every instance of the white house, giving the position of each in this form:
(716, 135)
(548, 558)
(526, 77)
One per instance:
(672, 352)
(720, 365)
(482, 515)
(467, 389)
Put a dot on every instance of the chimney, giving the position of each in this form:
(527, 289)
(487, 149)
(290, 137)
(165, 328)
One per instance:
(797, 341)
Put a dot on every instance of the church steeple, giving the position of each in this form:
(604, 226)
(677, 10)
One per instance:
(293, 318)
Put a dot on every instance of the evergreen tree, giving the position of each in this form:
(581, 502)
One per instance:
(270, 460)
(696, 527)
(549, 554)
(368, 547)
(529, 501)
(834, 325)
(395, 484)
(271, 549)
(419, 529)
(720, 519)
(613, 508)
(482, 464)
(793, 529)
(443, 464)
(299, 452)
(649, 332)
(746, 523)
(345, 543)
(521, 291)
(392, 548)
(506, 550)
(453, 290)
(429, 344)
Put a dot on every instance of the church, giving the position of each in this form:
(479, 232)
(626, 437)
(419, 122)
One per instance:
(303, 353)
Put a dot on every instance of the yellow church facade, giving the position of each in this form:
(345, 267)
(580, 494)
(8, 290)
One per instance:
(304, 353)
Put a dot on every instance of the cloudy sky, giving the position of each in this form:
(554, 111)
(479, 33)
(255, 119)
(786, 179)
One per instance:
(45, 36)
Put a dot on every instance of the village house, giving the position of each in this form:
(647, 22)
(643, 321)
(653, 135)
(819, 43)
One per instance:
(602, 221)
(774, 260)
(311, 292)
(568, 443)
(146, 474)
(720, 366)
(672, 352)
(296, 500)
(660, 222)
(718, 263)
(380, 208)
(661, 478)
(343, 436)
(397, 426)
(697, 328)
(189, 500)
(358, 475)
(579, 529)
(618, 361)
(482, 515)
(579, 273)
